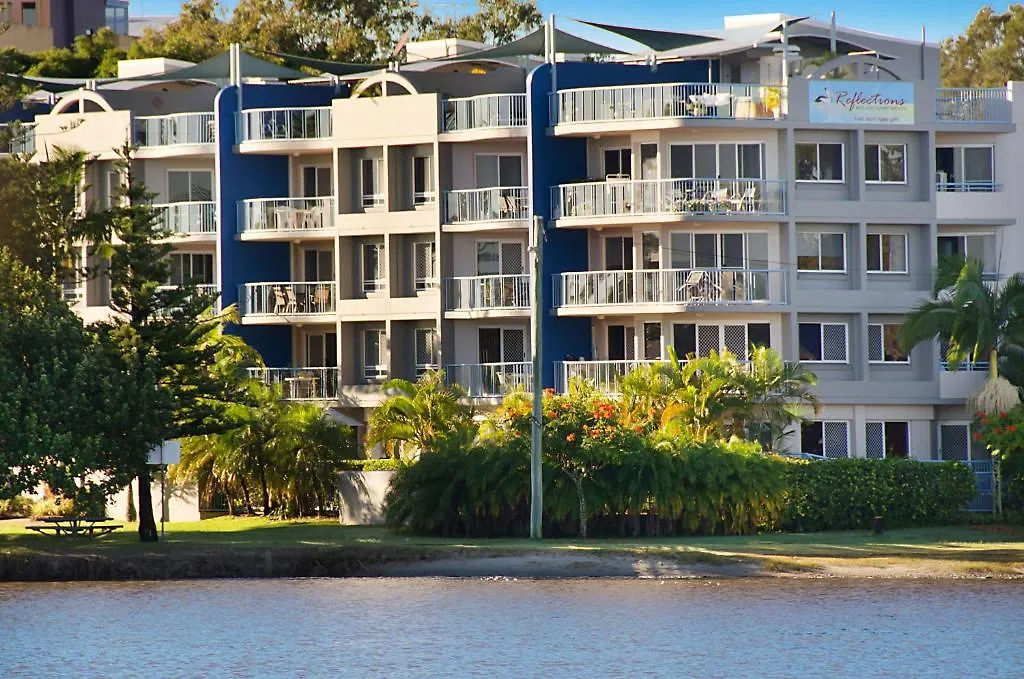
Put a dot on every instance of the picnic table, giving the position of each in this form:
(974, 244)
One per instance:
(74, 525)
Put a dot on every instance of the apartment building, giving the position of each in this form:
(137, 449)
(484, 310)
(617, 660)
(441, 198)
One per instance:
(37, 25)
(738, 190)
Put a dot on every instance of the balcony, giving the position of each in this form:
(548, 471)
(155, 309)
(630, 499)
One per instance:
(301, 384)
(496, 205)
(269, 218)
(284, 129)
(679, 287)
(603, 375)
(610, 107)
(196, 218)
(977, 199)
(627, 198)
(24, 142)
(484, 296)
(176, 129)
(973, 105)
(490, 380)
(287, 302)
(490, 114)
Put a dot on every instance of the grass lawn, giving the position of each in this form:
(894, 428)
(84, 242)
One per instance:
(959, 549)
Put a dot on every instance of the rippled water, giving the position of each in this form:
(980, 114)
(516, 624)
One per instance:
(480, 628)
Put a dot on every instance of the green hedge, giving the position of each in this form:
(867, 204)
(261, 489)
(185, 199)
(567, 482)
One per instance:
(384, 465)
(848, 494)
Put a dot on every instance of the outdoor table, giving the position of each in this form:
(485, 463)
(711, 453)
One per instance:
(75, 525)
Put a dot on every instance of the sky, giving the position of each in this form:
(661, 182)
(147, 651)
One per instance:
(902, 18)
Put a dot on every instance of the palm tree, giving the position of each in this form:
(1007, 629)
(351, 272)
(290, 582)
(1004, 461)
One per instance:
(421, 415)
(649, 389)
(977, 318)
(310, 453)
(775, 393)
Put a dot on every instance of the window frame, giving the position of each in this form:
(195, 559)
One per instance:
(761, 154)
(819, 234)
(817, 161)
(878, 164)
(377, 372)
(426, 282)
(375, 198)
(824, 453)
(885, 452)
(963, 236)
(190, 171)
(428, 195)
(190, 257)
(906, 253)
(380, 282)
(881, 349)
(619, 151)
(421, 368)
(821, 334)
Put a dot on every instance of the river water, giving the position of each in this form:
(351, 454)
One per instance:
(399, 628)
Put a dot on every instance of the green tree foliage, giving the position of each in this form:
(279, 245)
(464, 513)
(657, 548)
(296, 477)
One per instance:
(90, 56)
(72, 414)
(197, 34)
(496, 22)
(420, 415)
(987, 54)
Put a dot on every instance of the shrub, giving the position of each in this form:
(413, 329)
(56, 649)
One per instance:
(53, 506)
(16, 508)
(848, 494)
(384, 465)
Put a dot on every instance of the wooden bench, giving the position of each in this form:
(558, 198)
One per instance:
(74, 526)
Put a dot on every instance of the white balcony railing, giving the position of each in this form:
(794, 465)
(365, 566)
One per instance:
(175, 129)
(268, 124)
(301, 384)
(267, 215)
(622, 197)
(470, 293)
(603, 375)
(485, 111)
(495, 204)
(288, 299)
(668, 100)
(717, 287)
(195, 217)
(488, 380)
(973, 105)
(982, 186)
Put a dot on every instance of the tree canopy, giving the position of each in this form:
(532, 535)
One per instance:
(988, 52)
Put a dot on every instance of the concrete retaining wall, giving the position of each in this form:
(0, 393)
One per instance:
(362, 497)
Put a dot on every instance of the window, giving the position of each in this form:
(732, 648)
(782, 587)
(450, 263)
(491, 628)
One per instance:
(885, 163)
(711, 161)
(374, 368)
(690, 339)
(29, 15)
(829, 438)
(113, 188)
(117, 17)
(965, 168)
(887, 439)
(428, 354)
(887, 253)
(318, 265)
(5, 12)
(497, 258)
(423, 265)
(191, 269)
(649, 244)
(370, 172)
(980, 246)
(819, 162)
(316, 181)
(956, 443)
(652, 341)
(72, 279)
(884, 344)
(498, 170)
(373, 267)
(824, 342)
(501, 345)
(618, 253)
(422, 180)
(618, 161)
(821, 251)
(322, 350)
(185, 186)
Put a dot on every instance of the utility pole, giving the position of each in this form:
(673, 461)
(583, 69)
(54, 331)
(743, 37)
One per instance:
(536, 316)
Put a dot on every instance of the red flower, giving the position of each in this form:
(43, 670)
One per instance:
(1011, 428)
(571, 437)
(976, 436)
(997, 430)
(1002, 414)
(638, 429)
(980, 415)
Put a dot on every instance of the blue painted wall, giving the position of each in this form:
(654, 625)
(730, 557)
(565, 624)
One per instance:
(255, 176)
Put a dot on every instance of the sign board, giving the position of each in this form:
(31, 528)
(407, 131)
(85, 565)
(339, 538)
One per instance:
(863, 103)
(169, 452)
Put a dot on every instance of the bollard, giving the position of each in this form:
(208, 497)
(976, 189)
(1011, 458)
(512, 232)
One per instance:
(879, 526)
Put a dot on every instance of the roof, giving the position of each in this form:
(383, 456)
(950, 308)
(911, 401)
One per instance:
(533, 44)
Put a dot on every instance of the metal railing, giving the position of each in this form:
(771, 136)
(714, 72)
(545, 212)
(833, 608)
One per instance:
(263, 215)
(485, 111)
(484, 380)
(301, 384)
(266, 124)
(175, 128)
(467, 293)
(669, 100)
(985, 186)
(973, 105)
(717, 287)
(603, 375)
(288, 298)
(495, 204)
(618, 197)
(193, 217)
(984, 484)
(24, 142)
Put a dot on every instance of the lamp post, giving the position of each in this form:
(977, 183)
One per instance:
(537, 422)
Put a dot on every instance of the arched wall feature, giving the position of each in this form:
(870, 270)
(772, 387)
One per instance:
(383, 80)
(862, 63)
(77, 99)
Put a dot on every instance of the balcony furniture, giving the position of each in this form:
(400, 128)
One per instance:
(692, 289)
(293, 303)
(745, 108)
(745, 202)
(301, 386)
(280, 305)
(322, 299)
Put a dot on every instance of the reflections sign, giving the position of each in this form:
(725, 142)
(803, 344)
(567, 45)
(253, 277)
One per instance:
(866, 103)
